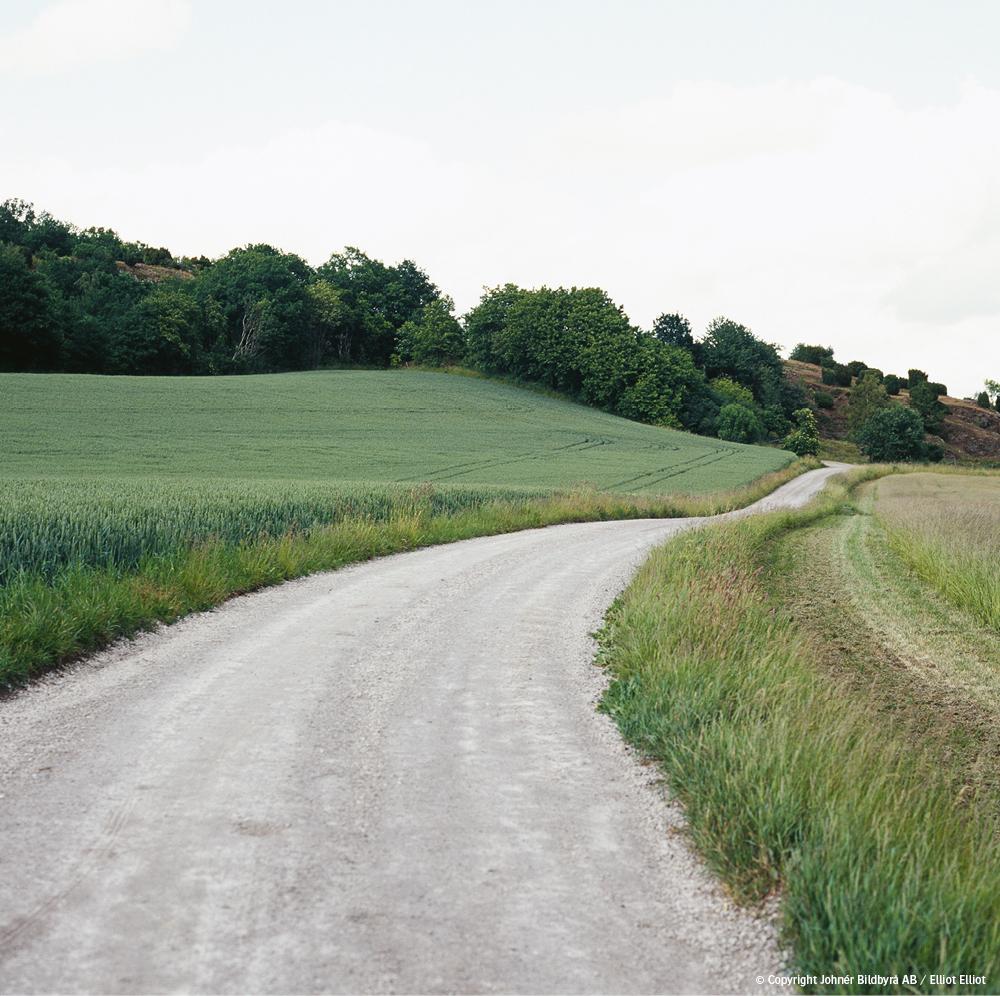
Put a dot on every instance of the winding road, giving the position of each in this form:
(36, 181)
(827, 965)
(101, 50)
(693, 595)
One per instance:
(386, 778)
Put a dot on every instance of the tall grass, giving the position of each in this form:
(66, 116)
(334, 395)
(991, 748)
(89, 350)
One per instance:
(789, 781)
(108, 560)
(947, 529)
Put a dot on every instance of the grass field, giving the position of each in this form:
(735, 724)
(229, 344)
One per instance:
(127, 501)
(830, 722)
(351, 426)
(947, 529)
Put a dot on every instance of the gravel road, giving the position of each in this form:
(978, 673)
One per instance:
(387, 778)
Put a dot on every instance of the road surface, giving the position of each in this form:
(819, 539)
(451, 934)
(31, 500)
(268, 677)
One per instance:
(387, 778)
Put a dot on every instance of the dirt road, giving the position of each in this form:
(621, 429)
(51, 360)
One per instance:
(388, 778)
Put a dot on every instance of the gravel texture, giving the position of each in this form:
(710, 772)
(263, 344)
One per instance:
(391, 778)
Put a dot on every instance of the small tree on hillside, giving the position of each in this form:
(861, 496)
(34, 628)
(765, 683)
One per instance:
(893, 384)
(866, 398)
(893, 433)
(837, 374)
(924, 400)
(803, 440)
(983, 400)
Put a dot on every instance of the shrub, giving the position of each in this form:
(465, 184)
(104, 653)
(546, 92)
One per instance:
(983, 399)
(856, 368)
(803, 440)
(811, 354)
(939, 387)
(924, 400)
(893, 433)
(738, 424)
(914, 377)
(776, 424)
(823, 399)
(866, 398)
(893, 384)
(839, 374)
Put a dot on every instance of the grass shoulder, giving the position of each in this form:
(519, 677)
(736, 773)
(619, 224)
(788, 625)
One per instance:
(813, 754)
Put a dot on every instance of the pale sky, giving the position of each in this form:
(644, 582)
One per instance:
(826, 172)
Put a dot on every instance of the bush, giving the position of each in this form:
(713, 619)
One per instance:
(776, 424)
(924, 400)
(914, 377)
(938, 387)
(934, 452)
(738, 424)
(893, 433)
(837, 374)
(867, 396)
(803, 440)
(823, 400)
(893, 384)
(811, 354)
(983, 399)
(856, 368)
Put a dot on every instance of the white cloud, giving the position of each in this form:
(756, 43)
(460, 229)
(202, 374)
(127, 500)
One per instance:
(73, 33)
(817, 211)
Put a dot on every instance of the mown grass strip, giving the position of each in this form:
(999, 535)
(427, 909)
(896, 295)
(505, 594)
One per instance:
(48, 617)
(791, 783)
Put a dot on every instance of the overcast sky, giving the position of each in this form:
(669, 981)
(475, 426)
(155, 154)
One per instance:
(826, 172)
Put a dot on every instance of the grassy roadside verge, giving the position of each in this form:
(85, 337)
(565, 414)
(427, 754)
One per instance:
(792, 781)
(48, 619)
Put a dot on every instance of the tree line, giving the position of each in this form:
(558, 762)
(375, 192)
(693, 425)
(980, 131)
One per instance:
(86, 301)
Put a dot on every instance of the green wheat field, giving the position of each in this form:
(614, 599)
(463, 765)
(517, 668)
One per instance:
(106, 470)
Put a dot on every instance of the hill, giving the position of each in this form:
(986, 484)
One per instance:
(969, 433)
(399, 426)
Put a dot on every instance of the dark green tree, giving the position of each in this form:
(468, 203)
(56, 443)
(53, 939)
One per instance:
(378, 300)
(924, 400)
(673, 329)
(891, 434)
(29, 337)
(811, 354)
(662, 382)
(263, 296)
(732, 350)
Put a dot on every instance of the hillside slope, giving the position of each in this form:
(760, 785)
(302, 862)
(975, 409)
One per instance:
(969, 433)
(351, 425)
